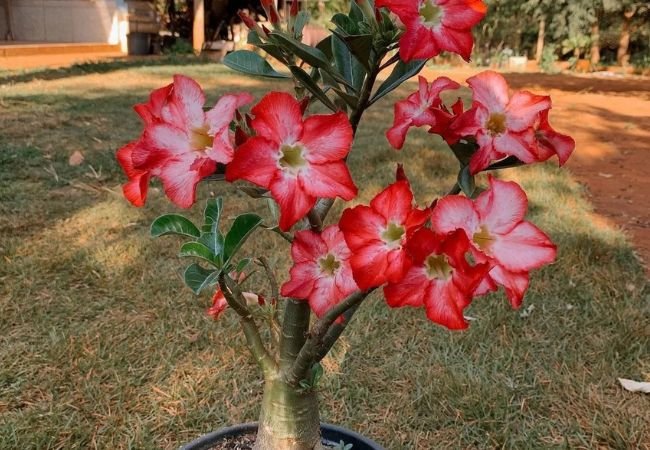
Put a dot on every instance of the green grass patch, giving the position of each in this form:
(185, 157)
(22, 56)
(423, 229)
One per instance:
(103, 347)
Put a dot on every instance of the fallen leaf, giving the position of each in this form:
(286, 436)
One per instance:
(635, 386)
(76, 159)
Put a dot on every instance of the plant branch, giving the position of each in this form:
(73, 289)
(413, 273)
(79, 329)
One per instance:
(334, 333)
(393, 59)
(294, 331)
(236, 301)
(274, 320)
(313, 347)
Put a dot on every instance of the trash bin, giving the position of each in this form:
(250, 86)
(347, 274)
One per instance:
(139, 43)
(144, 24)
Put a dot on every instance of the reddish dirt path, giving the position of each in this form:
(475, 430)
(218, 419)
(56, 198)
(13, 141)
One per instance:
(610, 121)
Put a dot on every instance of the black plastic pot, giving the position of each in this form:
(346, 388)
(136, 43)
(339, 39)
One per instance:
(331, 434)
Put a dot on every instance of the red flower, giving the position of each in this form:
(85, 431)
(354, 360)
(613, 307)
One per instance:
(297, 160)
(440, 279)
(495, 221)
(219, 302)
(181, 143)
(376, 235)
(434, 26)
(504, 125)
(417, 109)
(135, 190)
(321, 271)
(550, 142)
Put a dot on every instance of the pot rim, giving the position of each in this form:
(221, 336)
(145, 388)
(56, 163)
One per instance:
(330, 433)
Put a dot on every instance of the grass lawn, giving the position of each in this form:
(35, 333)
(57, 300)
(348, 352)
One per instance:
(102, 347)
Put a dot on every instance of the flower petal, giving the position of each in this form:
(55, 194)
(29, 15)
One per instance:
(523, 109)
(278, 117)
(220, 116)
(411, 291)
(327, 138)
(490, 89)
(256, 161)
(442, 305)
(524, 248)
(455, 212)
(293, 200)
(329, 180)
(514, 283)
(361, 226)
(179, 180)
(502, 206)
(395, 202)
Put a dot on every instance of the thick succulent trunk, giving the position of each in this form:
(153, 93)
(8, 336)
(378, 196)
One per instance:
(289, 419)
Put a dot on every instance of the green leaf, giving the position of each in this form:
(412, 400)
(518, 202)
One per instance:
(466, 182)
(351, 100)
(174, 224)
(212, 214)
(241, 228)
(347, 64)
(463, 150)
(214, 242)
(325, 46)
(310, 55)
(241, 265)
(316, 373)
(360, 46)
(356, 14)
(346, 25)
(251, 63)
(197, 278)
(302, 19)
(197, 250)
(271, 49)
(309, 84)
(401, 72)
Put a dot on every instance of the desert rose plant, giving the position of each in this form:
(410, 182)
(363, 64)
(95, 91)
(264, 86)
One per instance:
(438, 256)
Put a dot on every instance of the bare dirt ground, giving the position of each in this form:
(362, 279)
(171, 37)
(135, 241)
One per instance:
(610, 120)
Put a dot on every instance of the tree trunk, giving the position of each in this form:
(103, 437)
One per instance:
(198, 26)
(622, 56)
(595, 44)
(289, 419)
(540, 40)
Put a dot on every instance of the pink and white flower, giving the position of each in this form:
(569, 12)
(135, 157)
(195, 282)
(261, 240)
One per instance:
(321, 271)
(377, 235)
(417, 109)
(440, 279)
(297, 160)
(505, 125)
(495, 222)
(181, 143)
(434, 26)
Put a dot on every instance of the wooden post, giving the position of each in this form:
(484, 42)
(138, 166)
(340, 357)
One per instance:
(198, 26)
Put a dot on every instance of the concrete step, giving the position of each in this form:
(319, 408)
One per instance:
(22, 48)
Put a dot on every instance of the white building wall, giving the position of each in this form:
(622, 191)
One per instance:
(65, 20)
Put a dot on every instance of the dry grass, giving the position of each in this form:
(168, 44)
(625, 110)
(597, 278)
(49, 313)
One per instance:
(102, 347)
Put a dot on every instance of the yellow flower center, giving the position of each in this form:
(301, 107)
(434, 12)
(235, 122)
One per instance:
(430, 14)
(438, 267)
(496, 124)
(291, 157)
(393, 234)
(483, 239)
(329, 264)
(200, 139)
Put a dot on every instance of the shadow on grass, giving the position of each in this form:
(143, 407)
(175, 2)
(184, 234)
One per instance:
(101, 67)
